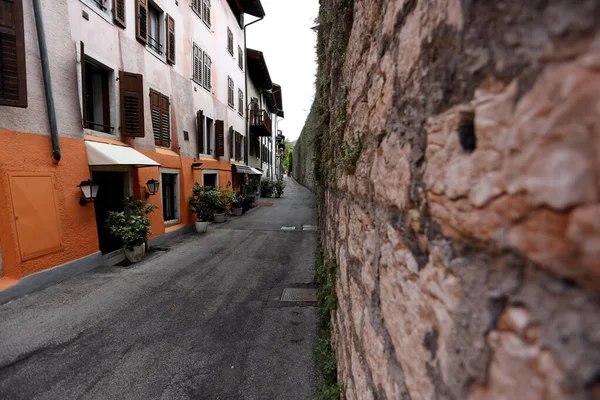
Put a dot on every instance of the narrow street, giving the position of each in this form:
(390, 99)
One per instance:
(198, 320)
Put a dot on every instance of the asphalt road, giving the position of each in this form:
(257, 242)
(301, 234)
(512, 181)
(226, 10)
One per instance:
(196, 322)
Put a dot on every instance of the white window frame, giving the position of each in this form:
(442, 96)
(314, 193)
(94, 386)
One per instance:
(177, 172)
(162, 31)
(210, 134)
(104, 14)
(113, 91)
(211, 172)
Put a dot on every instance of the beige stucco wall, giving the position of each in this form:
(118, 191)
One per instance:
(61, 53)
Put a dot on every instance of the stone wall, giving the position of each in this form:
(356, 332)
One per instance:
(457, 166)
(304, 153)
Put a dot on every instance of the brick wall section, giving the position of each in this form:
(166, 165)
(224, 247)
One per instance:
(462, 274)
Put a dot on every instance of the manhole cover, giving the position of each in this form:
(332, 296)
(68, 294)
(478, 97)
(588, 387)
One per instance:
(288, 228)
(309, 227)
(299, 294)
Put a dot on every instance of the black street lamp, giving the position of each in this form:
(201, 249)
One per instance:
(152, 186)
(89, 191)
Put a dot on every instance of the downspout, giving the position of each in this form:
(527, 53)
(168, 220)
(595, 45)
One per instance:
(246, 93)
(39, 24)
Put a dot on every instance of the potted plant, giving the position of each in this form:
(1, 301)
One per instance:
(279, 185)
(203, 203)
(237, 205)
(220, 206)
(266, 187)
(229, 198)
(132, 226)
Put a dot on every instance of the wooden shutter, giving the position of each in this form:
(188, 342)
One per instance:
(141, 18)
(13, 79)
(200, 130)
(170, 39)
(229, 41)
(207, 72)
(197, 68)
(155, 112)
(83, 91)
(219, 138)
(132, 104)
(119, 12)
(165, 121)
(231, 155)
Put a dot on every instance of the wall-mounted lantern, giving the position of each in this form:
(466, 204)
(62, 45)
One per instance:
(89, 191)
(152, 186)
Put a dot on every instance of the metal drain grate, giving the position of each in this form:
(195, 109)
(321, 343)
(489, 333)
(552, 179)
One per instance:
(309, 227)
(299, 294)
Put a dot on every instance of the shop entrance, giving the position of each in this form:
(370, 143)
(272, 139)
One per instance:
(111, 192)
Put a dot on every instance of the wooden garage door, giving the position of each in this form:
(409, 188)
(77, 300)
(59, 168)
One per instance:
(36, 214)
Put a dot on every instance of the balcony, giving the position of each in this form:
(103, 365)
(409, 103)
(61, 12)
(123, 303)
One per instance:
(260, 123)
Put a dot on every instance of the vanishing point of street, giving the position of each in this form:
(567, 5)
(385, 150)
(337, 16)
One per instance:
(200, 318)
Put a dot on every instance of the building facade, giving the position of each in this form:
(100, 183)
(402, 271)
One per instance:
(142, 90)
(265, 107)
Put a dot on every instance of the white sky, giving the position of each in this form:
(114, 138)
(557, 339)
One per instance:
(288, 44)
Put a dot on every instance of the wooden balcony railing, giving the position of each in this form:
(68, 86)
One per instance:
(260, 120)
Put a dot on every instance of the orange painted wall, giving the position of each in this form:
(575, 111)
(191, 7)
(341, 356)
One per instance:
(27, 152)
(188, 176)
(31, 153)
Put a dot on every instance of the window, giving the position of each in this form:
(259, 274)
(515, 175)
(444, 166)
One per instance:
(170, 199)
(95, 94)
(220, 138)
(240, 102)
(207, 83)
(161, 124)
(13, 80)
(230, 88)
(101, 4)
(240, 58)
(206, 11)
(229, 41)
(209, 137)
(197, 66)
(154, 28)
(210, 178)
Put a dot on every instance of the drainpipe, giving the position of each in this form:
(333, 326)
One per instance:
(246, 94)
(39, 24)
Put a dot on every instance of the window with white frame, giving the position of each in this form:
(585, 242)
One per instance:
(207, 78)
(170, 184)
(240, 58)
(155, 27)
(197, 64)
(209, 136)
(240, 102)
(230, 90)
